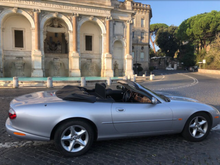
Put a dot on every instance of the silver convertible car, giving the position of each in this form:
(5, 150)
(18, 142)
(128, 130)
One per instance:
(74, 117)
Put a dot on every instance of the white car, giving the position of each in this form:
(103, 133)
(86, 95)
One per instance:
(169, 68)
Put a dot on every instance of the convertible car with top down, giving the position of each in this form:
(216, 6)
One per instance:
(74, 117)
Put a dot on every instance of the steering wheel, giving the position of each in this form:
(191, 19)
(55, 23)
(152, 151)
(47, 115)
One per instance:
(126, 96)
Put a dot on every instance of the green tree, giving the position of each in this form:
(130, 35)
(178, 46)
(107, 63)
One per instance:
(160, 53)
(200, 29)
(151, 52)
(167, 41)
(186, 54)
(153, 33)
(213, 55)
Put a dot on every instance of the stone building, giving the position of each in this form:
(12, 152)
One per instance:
(41, 38)
(141, 35)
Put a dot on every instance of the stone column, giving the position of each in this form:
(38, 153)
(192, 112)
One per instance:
(128, 57)
(108, 71)
(1, 53)
(36, 53)
(74, 57)
(148, 16)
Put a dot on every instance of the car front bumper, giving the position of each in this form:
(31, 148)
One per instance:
(15, 133)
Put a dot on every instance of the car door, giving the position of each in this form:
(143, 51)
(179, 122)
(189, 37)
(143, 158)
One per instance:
(141, 117)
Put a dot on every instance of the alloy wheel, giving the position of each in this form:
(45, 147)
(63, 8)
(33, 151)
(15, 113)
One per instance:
(198, 127)
(74, 138)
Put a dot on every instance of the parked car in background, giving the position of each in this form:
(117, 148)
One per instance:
(169, 68)
(191, 69)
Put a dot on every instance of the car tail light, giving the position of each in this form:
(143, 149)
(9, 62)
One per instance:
(12, 114)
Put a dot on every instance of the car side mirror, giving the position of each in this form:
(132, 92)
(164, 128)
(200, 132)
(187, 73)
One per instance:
(153, 100)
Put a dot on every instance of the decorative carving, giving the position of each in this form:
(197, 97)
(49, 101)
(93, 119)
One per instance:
(79, 18)
(90, 68)
(57, 64)
(55, 14)
(43, 13)
(76, 14)
(103, 20)
(116, 71)
(91, 18)
(108, 18)
(69, 17)
(37, 10)
(15, 10)
(30, 12)
(40, 4)
(53, 47)
(55, 22)
(19, 66)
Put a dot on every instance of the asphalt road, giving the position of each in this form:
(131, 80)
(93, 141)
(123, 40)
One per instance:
(168, 149)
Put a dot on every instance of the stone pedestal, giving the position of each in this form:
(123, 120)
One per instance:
(1, 62)
(37, 64)
(129, 69)
(74, 70)
(108, 72)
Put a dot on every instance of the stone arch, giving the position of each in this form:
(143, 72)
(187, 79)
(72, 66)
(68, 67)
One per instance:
(5, 14)
(119, 39)
(103, 35)
(45, 19)
(99, 22)
(62, 61)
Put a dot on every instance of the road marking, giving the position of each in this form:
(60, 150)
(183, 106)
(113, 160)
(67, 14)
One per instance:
(216, 128)
(195, 81)
(163, 76)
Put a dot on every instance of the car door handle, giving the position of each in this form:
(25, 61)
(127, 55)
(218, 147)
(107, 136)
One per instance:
(120, 110)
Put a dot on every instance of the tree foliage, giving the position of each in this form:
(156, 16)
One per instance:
(200, 29)
(186, 54)
(167, 41)
(153, 32)
(213, 55)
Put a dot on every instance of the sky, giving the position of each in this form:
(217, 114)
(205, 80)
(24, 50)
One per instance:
(174, 12)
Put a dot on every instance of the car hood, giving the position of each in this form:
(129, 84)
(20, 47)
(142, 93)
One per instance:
(178, 98)
(35, 98)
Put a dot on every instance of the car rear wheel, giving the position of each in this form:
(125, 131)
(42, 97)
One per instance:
(197, 127)
(74, 138)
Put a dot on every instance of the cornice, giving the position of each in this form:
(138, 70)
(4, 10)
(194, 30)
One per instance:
(55, 6)
(82, 4)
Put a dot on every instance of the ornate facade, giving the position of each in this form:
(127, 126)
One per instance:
(41, 38)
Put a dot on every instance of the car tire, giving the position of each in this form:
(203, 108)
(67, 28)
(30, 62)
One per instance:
(197, 127)
(74, 138)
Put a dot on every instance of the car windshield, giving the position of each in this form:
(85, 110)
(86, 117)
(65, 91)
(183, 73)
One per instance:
(139, 87)
(158, 95)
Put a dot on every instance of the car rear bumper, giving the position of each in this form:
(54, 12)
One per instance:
(22, 135)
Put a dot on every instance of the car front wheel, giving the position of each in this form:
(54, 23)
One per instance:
(74, 138)
(197, 127)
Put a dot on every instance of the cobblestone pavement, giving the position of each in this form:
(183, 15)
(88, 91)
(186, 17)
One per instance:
(166, 149)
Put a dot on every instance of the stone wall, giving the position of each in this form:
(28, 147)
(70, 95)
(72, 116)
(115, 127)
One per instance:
(209, 71)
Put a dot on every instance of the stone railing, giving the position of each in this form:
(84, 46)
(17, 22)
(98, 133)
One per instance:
(209, 71)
